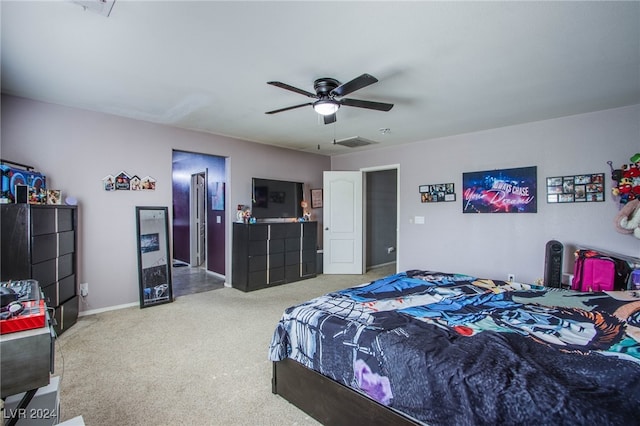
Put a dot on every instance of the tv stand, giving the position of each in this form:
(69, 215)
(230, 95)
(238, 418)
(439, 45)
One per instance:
(273, 253)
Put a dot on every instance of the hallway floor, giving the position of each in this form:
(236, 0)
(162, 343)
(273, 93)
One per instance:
(190, 280)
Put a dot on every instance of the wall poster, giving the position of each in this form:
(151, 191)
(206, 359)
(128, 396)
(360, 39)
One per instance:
(500, 191)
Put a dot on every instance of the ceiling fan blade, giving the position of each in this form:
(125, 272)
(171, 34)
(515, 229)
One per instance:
(380, 106)
(356, 84)
(293, 89)
(288, 108)
(328, 119)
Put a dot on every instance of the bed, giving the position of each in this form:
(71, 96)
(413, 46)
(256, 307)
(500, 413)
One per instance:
(425, 347)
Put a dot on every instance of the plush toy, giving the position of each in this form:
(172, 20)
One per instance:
(628, 180)
(628, 219)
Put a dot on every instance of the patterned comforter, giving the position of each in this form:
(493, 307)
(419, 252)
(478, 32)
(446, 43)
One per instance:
(453, 349)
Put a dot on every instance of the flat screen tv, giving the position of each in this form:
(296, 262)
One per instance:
(276, 199)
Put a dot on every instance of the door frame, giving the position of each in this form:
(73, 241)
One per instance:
(218, 169)
(363, 211)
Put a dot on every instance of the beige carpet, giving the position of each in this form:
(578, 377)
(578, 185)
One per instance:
(201, 360)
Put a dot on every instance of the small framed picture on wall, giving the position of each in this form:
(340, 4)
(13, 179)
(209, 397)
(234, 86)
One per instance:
(437, 193)
(316, 198)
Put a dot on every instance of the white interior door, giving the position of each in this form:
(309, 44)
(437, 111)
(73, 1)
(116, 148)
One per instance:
(342, 216)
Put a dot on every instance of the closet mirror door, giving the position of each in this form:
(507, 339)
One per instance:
(154, 266)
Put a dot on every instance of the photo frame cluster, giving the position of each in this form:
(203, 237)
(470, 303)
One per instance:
(125, 182)
(437, 193)
(514, 190)
(576, 188)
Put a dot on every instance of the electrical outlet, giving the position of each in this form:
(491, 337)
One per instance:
(511, 277)
(84, 289)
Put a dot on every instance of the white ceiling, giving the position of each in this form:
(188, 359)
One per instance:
(449, 67)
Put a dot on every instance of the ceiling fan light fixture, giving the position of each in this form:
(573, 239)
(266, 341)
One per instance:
(326, 106)
(327, 89)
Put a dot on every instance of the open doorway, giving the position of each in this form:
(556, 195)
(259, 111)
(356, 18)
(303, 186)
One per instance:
(381, 217)
(198, 222)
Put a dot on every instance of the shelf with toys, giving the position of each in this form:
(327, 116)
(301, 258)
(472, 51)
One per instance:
(627, 191)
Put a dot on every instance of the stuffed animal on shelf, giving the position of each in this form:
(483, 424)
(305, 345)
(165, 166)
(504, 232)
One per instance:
(628, 219)
(628, 179)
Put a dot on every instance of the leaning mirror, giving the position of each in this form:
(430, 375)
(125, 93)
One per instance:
(154, 268)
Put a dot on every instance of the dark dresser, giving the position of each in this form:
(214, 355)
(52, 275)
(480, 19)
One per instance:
(40, 242)
(268, 254)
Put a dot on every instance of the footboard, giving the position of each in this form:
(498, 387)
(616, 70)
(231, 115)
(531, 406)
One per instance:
(327, 401)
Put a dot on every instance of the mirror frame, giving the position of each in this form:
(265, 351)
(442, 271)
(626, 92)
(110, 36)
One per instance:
(154, 242)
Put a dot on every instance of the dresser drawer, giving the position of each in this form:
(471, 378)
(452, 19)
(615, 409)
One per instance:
(257, 263)
(43, 221)
(257, 248)
(276, 260)
(65, 266)
(276, 275)
(67, 288)
(292, 272)
(45, 272)
(277, 231)
(309, 255)
(66, 315)
(308, 268)
(276, 246)
(44, 247)
(258, 232)
(257, 279)
(292, 258)
(64, 219)
(51, 295)
(292, 244)
(66, 243)
(294, 231)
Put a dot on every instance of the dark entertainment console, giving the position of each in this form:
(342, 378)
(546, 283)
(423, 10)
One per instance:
(268, 254)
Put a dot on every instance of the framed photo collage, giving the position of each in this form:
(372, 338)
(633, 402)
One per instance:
(575, 189)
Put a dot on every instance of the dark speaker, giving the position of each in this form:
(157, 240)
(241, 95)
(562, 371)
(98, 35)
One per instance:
(22, 194)
(553, 264)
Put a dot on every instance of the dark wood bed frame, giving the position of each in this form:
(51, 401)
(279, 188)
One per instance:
(327, 401)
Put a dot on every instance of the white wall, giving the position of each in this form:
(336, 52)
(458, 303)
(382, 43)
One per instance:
(493, 245)
(75, 149)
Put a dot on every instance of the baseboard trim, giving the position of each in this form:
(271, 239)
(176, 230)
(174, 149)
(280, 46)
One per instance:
(216, 274)
(110, 308)
(380, 265)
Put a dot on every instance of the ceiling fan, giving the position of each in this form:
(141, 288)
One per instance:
(327, 92)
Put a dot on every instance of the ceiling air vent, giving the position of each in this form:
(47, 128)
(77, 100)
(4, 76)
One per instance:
(102, 7)
(354, 142)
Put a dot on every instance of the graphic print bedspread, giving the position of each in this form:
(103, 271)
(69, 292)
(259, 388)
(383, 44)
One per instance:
(454, 349)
